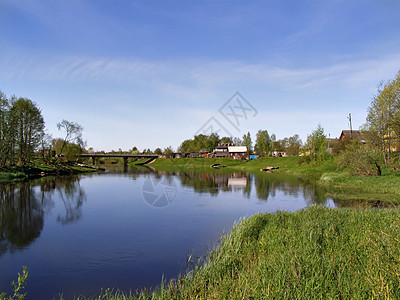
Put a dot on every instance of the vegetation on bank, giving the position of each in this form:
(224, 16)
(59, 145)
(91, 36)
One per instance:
(26, 171)
(316, 253)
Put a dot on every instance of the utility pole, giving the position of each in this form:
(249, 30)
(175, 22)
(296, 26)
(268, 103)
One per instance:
(351, 127)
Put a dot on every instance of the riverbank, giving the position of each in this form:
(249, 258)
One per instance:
(20, 173)
(316, 253)
(340, 184)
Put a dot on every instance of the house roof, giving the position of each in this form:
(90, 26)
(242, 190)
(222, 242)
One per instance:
(237, 149)
(351, 133)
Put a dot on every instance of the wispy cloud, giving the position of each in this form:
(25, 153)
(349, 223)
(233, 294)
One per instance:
(194, 72)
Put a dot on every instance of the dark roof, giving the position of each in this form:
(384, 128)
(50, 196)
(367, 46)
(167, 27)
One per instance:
(351, 133)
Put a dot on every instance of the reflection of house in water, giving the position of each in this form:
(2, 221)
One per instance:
(237, 182)
(213, 182)
(230, 180)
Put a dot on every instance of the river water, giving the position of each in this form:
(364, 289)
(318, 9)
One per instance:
(129, 230)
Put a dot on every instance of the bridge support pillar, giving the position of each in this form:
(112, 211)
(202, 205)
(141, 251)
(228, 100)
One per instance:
(125, 164)
(93, 160)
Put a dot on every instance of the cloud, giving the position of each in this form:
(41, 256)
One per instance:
(189, 74)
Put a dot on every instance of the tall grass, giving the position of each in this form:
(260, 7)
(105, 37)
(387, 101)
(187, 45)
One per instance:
(317, 253)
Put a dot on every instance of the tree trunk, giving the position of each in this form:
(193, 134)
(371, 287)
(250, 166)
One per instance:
(378, 170)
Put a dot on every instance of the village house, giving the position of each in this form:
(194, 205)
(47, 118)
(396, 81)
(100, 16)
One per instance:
(237, 152)
(229, 150)
(354, 134)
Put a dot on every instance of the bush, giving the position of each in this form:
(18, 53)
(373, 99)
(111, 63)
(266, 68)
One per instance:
(360, 159)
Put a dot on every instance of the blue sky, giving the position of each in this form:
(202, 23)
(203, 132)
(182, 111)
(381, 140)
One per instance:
(153, 73)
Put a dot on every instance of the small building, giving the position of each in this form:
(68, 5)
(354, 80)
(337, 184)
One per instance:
(237, 152)
(221, 151)
(229, 150)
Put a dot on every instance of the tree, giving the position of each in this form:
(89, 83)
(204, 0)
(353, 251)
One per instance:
(4, 129)
(27, 126)
(199, 143)
(273, 142)
(316, 144)
(360, 159)
(212, 142)
(226, 140)
(135, 150)
(237, 141)
(73, 133)
(168, 152)
(247, 142)
(293, 145)
(263, 143)
(46, 146)
(383, 120)
(158, 151)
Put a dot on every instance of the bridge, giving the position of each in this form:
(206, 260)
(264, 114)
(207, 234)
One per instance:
(94, 156)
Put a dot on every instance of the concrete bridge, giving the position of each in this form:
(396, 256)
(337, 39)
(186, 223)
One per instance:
(94, 156)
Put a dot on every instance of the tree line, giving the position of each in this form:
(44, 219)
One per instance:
(22, 133)
(21, 129)
(264, 144)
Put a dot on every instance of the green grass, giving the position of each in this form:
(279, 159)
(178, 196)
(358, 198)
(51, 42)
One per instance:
(317, 253)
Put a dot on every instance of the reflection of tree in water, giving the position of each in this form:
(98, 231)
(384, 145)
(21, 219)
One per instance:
(72, 195)
(23, 206)
(263, 188)
(268, 184)
(203, 183)
(364, 204)
(21, 216)
(313, 193)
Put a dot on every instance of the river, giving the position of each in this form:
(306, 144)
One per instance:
(129, 230)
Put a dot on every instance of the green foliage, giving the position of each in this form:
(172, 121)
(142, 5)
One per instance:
(73, 134)
(21, 130)
(316, 145)
(263, 143)
(342, 144)
(18, 287)
(199, 143)
(360, 159)
(158, 151)
(226, 140)
(383, 120)
(292, 145)
(247, 142)
(168, 151)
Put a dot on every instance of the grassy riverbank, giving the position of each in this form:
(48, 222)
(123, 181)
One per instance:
(317, 253)
(19, 173)
(340, 184)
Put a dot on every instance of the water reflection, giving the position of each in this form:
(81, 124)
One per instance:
(24, 205)
(265, 185)
(364, 204)
(21, 215)
(124, 242)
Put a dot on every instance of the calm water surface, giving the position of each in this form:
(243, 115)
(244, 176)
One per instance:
(129, 230)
